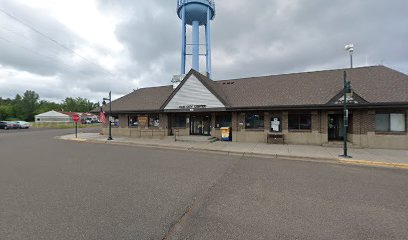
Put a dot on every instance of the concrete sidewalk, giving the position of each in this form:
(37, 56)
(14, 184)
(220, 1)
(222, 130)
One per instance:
(375, 157)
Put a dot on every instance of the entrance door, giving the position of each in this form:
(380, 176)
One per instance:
(200, 125)
(335, 127)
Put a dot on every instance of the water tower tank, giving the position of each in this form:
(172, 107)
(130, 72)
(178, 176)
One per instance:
(196, 13)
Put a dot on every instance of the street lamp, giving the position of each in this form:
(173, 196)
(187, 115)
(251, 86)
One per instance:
(350, 48)
(110, 112)
(346, 90)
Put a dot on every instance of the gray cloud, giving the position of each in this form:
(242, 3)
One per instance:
(26, 50)
(270, 37)
(250, 38)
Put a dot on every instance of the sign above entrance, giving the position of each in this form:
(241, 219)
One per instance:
(192, 106)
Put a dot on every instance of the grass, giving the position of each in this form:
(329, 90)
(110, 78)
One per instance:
(63, 125)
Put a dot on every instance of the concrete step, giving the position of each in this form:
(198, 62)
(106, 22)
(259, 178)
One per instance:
(208, 139)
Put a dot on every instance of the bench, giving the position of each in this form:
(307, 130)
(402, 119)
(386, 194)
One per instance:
(275, 138)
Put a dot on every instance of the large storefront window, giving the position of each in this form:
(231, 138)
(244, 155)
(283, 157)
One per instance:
(390, 122)
(300, 121)
(254, 121)
(223, 121)
(154, 120)
(133, 121)
(115, 121)
(180, 121)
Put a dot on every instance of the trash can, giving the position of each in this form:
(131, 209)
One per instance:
(226, 134)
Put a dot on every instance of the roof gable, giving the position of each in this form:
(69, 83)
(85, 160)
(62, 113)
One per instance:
(195, 91)
(352, 98)
(52, 114)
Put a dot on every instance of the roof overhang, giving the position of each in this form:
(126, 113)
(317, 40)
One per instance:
(403, 105)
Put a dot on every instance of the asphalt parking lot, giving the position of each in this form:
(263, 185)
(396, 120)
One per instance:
(54, 189)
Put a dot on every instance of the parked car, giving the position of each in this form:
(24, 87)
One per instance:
(8, 125)
(23, 124)
(4, 125)
(12, 125)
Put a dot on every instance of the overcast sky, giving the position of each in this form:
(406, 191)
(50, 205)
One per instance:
(84, 48)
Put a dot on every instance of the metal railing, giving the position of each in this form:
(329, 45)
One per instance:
(181, 2)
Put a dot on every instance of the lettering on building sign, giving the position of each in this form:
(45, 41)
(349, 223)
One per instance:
(192, 106)
(349, 98)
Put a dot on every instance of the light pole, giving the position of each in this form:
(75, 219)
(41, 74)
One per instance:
(350, 48)
(346, 90)
(110, 112)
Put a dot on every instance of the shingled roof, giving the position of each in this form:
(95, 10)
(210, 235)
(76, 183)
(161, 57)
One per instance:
(376, 85)
(143, 99)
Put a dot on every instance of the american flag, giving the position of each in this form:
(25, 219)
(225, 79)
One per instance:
(102, 117)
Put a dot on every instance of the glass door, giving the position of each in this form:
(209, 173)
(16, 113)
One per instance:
(335, 127)
(200, 125)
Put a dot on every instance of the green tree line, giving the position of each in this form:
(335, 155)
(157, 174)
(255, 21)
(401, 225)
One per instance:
(26, 106)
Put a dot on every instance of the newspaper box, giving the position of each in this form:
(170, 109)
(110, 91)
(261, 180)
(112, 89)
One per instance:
(226, 134)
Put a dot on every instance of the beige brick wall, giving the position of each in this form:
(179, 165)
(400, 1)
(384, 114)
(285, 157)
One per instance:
(361, 134)
(324, 122)
(316, 124)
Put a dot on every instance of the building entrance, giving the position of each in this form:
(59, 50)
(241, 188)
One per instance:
(200, 125)
(335, 127)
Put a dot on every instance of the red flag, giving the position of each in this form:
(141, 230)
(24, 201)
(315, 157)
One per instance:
(102, 117)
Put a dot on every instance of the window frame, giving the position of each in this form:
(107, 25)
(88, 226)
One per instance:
(130, 117)
(184, 117)
(153, 116)
(247, 114)
(389, 114)
(299, 122)
(223, 116)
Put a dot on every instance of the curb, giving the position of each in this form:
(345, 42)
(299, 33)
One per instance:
(236, 153)
(248, 154)
(373, 163)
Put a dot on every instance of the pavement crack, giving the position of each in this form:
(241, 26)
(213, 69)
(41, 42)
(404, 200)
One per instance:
(177, 227)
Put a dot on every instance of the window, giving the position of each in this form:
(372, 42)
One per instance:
(154, 120)
(115, 121)
(180, 121)
(223, 121)
(133, 121)
(300, 121)
(390, 122)
(254, 121)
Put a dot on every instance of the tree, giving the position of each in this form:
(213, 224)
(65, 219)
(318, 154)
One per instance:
(6, 108)
(45, 106)
(25, 107)
(28, 105)
(6, 111)
(78, 105)
(18, 110)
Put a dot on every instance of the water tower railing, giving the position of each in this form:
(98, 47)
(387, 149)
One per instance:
(181, 2)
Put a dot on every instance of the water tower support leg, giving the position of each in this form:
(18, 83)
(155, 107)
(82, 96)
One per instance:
(183, 42)
(208, 36)
(196, 46)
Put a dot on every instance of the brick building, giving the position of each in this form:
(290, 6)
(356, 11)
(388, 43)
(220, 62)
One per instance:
(304, 108)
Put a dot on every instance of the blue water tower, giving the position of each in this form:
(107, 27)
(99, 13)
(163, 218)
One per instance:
(196, 13)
